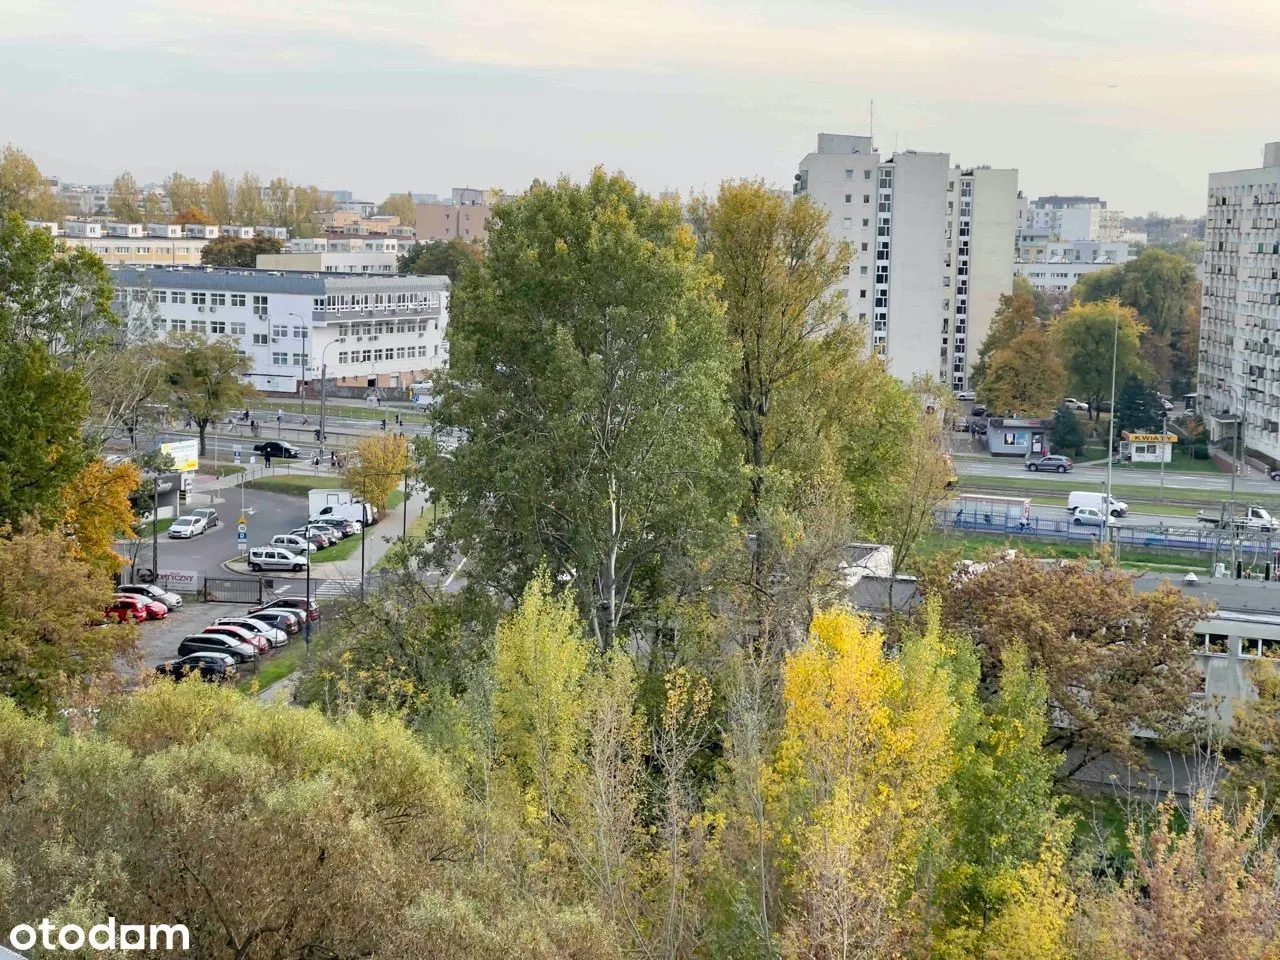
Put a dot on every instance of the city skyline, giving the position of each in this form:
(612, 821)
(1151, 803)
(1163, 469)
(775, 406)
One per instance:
(1090, 99)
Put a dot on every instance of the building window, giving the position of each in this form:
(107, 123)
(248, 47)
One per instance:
(866, 174)
(343, 329)
(866, 222)
(237, 299)
(237, 328)
(848, 198)
(260, 339)
(847, 223)
(197, 326)
(280, 359)
(218, 299)
(299, 333)
(344, 357)
(178, 323)
(199, 299)
(162, 296)
(864, 247)
(377, 354)
(179, 296)
(299, 359)
(280, 332)
(217, 327)
(848, 174)
(260, 305)
(377, 328)
(366, 356)
(863, 270)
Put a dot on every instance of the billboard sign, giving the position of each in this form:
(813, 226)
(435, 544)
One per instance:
(185, 453)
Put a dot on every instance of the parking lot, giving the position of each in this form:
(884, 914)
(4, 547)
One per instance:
(158, 639)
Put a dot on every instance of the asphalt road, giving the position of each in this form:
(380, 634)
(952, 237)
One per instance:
(1133, 518)
(1090, 477)
(266, 514)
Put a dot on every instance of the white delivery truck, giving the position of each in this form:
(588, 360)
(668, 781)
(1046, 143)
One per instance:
(1097, 501)
(340, 503)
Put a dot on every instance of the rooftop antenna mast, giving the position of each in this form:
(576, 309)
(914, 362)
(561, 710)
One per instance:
(871, 118)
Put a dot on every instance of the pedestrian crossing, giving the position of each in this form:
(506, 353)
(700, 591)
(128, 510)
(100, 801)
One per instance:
(336, 588)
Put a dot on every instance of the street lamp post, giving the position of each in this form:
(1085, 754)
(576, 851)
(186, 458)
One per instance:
(324, 379)
(1111, 423)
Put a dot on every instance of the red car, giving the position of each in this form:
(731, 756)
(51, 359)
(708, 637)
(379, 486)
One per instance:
(126, 605)
(239, 633)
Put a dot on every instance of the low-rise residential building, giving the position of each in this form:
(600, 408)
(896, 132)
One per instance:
(367, 331)
(464, 216)
(330, 262)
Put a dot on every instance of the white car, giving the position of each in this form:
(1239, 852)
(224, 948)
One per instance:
(1071, 403)
(151, 592)
(273, 635)
(188, 526)
(967, 395)
(292, 543)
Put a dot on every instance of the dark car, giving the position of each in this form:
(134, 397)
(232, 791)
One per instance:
(978, 410)
(1054, 462)
(283, 618)
(310, 607)
(213, 667)
(217, 643)
(277, 448)
(318, 534)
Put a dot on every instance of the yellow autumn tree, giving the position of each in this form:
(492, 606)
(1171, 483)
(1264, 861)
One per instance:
(96, 512)
(865, 746)
(540, 715)
(378, 467)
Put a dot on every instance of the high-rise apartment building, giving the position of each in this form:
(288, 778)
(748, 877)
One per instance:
(932, 245)
(1239, 377)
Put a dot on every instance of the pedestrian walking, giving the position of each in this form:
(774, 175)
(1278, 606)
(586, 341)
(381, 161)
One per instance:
(384, 423)
(266, 458)
(333, 458)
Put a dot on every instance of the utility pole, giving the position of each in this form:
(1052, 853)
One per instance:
(1164, 433)
(1111, 422)
(155, 528)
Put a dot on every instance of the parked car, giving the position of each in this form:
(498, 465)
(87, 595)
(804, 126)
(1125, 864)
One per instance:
(1071, 403)
(211, 666)
(275, 558)
(344, 527)
(309, 607)
(239, 633)
(318, 534)
(978, 410)
(290, 621)
(186, 527)
(218, 643)
(293, 543)
(967, 395)
(1055, 462)
(275, 636)
(152, 592)
(1275, 473)
(126, 607)
(209, 514)
(277, 448)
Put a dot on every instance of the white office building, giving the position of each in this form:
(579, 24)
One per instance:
(1059, 266)
(1239, 377)
(933, 249)
(382, 332)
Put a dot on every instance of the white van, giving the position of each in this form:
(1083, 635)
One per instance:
(1087, 498)
(275, 558)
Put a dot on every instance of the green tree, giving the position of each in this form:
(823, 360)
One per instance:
(56, 327)
(204, 378)
(23, 189)
(1099, 286)
(1016, 314)
(123, 201)
(1066, 434)
(247, 206)
(1088, 337)
(237, 252)
(780, 268)
(219, 198)
(1024, 377)
(441, 258)
(1044, 307)
(399, 205)
(1138, 409)
(184, 192)
(153, 208)
(588, 364)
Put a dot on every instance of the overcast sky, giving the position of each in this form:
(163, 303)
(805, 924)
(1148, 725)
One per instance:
(1132, 100)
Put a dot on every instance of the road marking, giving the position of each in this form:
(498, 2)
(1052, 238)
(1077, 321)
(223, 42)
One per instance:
(455, 572)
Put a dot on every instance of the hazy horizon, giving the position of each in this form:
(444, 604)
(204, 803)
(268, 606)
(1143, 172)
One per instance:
(1136, 105)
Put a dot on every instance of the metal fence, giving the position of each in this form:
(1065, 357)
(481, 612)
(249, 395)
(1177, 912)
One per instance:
(1251, 546)
(228, 590)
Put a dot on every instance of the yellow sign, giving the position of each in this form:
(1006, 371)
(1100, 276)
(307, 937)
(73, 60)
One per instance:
(185, 453)
(1150, 437)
